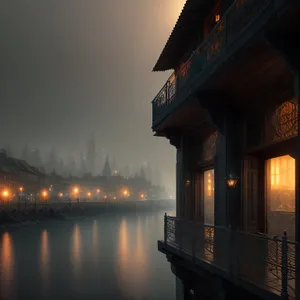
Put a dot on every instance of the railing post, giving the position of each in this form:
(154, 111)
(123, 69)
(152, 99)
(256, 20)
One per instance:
(165, 228)
(284, 267)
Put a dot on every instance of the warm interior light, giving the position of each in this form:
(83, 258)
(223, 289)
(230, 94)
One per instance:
(76, 190)
(281, 179)
(98, 191)
(142, 196)
(21, 189)
(187, 182)
(217, 18)
(89, 194)
(105, 197)
(44, 194)
(209, 199)
(125, 193)
(60, 194)
(115, 198)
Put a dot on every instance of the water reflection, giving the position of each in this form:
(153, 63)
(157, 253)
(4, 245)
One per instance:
(44, 258)
(7, 266)
(95, 241)
(123, 244)
(76, 250)
(140, 263)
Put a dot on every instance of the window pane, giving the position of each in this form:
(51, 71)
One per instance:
(280, 176)
(209, 199)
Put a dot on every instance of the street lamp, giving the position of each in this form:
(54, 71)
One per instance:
(5, 195)
(21, 189)
(76, 192)
(45, 195)
(231, 181)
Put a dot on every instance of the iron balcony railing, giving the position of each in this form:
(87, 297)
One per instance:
(240, 15)
(267, 262)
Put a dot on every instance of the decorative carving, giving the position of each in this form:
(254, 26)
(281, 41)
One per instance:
(209, 147)
(285, 121)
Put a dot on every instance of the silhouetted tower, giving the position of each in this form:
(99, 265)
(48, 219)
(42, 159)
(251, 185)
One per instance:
(52, 162)
(82, 165)
(106, 170)
(91, 156)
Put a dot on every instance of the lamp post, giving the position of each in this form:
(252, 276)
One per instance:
(5, 195)
(76, 193)
(45, 196)
(20, 196)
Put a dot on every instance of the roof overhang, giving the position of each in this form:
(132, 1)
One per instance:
(186, 30)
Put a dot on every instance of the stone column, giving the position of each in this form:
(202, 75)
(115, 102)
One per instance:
(233, 131)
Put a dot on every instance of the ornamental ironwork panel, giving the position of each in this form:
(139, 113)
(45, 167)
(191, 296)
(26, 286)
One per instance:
(285, 120)
(209, 147)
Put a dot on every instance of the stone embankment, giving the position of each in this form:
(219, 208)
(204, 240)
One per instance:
(16, 215)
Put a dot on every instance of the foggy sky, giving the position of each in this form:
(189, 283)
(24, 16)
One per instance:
(72, 68)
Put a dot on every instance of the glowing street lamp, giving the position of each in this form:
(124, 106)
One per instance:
(44, 194)
(5, 193)
(76, 190)
(125, 193)
(231, 181)
(21, 189)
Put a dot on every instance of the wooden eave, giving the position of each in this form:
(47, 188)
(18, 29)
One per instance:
(184, 32)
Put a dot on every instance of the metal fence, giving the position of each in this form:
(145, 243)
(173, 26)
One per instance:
(239, 16)
(268, 262)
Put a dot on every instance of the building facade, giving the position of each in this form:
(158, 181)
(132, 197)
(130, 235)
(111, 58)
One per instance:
(231, 110)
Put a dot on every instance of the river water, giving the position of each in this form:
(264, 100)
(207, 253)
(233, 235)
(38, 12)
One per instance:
(112, 256)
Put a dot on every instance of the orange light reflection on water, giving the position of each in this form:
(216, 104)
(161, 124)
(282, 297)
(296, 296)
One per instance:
(7, 266)
(76, 250)
(44, 258)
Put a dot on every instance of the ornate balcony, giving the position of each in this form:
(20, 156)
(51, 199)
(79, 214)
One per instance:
(240, 22)
(257, 261)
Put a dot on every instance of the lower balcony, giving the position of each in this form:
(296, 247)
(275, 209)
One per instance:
(261, 264)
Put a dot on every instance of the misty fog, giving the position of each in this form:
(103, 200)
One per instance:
(73, 69)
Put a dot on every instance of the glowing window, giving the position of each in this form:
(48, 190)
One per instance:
(281, 183)
(209, 197)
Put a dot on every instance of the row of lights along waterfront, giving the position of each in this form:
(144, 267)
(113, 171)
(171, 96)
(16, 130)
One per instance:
(7, 195)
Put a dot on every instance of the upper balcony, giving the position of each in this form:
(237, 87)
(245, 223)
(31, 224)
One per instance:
(243, 20)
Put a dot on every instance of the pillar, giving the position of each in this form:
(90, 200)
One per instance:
(180, 180)
(233, 131)
(297, 200)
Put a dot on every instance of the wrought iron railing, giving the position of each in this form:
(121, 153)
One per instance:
(240, 15)
(268, 262)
